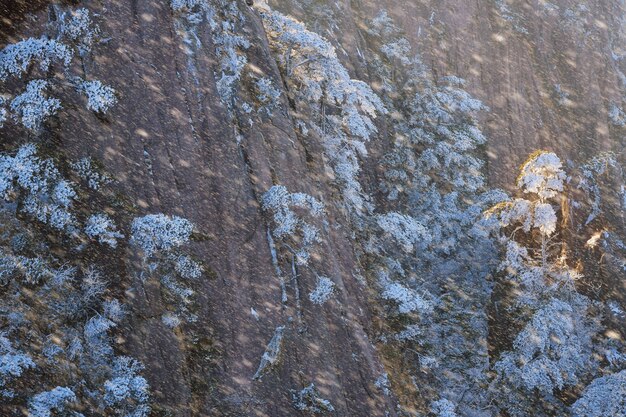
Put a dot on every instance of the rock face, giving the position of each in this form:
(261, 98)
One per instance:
(549, 72)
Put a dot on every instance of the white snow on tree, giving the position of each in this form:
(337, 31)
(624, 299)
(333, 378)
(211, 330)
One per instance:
(77, 27)
(44, 403)
(158, 232)
(86, 169)
(407, 231)
(382, 383)
(171, 320)
(542, 177)
(617, 116)
(408, 300)
(100, 227)
(225, 22)
(542, 174)
(290, 227)
(341, 108)
(57, 314)
(97, 336)
(323, 291)
(12, 362)
(605, 396)
(16, 58)
(75, 32)
(161, 238)
(32, 107)
(72, 336)
(100, 97)
(554, 350)
(127, 390)
(432, 175)
(443, 408)
(39, 187)
(267, 94)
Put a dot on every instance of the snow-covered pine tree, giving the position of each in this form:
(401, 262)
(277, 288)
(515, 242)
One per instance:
(554, 349)
(71, 33)
(340, 109)
(432, 176)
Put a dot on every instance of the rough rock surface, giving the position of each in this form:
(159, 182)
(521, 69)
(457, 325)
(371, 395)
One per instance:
(173, 147)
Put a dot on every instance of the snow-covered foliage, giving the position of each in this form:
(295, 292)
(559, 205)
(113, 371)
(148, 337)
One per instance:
(408, 300)
(605, 396)
(410, 333)
(309, 399)
(407, 231)
(544, 218)
(69, 297)
(553, 350)
(55, 317)
(161, 237)
(534, 264)
(443, 120)
(126, 389)
(186, 267)
(77, 27)
(12, 362)
(44, 403)
(323, 291)
(394, 54)
(155, 233)
(97, 337)
(230, 47)
(383, 26)
(171, 320)
(432, 176)
(225, 21)
(397, 51)
(100, 227)
(342, 108)
(75, 32)
(38, 187)
(434, 167)
(74, 322)
(87, 171)
(527, 214)
(271, 356)
(267, 94)
(100, 97)
(290, 227)
(16, 58)
(427, 252)
(59, 323)
(542, 174)
(443, 408)
(114, 310)
(32, 107)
